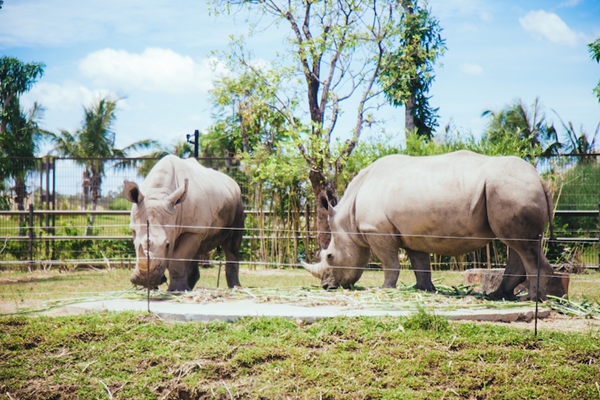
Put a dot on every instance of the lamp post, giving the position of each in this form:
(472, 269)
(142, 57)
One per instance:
(194, 142)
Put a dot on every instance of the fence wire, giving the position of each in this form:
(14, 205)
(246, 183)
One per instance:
(127, 255)
(279, 235)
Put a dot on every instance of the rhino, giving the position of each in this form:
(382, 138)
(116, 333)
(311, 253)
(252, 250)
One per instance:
(449, 205)
(190, 210)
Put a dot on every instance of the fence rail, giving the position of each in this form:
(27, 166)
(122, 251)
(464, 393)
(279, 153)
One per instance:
(61, 194)
(31, 237)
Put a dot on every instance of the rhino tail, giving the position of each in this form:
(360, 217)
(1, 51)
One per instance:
(550, 206)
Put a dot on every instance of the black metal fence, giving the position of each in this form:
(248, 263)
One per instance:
(59, 213)
(72, 211)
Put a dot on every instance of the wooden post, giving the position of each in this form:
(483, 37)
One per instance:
(537, 286)
(30, 256)
(307, 241)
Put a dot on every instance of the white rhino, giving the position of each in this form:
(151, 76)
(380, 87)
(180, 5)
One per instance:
(447, 204)
(191, 210)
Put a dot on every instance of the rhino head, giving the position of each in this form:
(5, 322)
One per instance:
(153, 247)
(344, 260)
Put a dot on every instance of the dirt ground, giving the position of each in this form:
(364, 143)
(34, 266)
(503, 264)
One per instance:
(555, 321)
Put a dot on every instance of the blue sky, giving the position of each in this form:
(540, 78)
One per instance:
(156, 55)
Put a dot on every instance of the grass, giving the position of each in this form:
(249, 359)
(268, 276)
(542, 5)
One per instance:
(129, 355)
(138, 356)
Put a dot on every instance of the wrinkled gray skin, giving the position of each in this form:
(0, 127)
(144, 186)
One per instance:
(448, 204)
(190, 209)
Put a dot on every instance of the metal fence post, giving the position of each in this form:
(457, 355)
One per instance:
(30, 234)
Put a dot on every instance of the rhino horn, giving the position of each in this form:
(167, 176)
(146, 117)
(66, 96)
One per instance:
(315, 270)
(142, 262)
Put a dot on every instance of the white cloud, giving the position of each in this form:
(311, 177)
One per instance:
(550, 26)
(471, 69)
(154, 70)
(66, 22)
(69, 96)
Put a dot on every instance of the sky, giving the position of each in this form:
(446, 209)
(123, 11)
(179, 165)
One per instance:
(156, 56)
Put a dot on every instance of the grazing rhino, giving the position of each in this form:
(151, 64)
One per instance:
(191, 210)
(447, 204)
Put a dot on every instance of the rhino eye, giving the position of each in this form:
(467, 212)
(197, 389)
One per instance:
(329, 257)
(168, 245)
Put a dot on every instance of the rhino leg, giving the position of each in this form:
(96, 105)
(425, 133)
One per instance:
(421, 265)
(386, 249)
(182, 264)
(192, 274)
(514, 274)
(530, 261)
(528, 256)
(231, 247)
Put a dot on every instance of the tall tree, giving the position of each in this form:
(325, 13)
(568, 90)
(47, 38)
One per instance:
(19, 129)
(518, 121)
(409, 70)
(338, 49)
(594, 49)
(92, 146)
(245, 119)
(582, 143)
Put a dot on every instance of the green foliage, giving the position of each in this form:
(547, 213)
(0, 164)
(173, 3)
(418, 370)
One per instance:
(334, 56)
(119, 204)
(518, 125)
(580, 143)
(578, 187)
(19, 129)
(246, 119)
(408, 72)
(594, 49)
(180, 149)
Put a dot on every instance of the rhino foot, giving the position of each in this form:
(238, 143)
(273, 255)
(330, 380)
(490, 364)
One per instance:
(427, 287)
(532, 298)
(179, 288)
(501, 295)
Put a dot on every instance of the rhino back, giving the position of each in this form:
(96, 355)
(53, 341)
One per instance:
(459, 194)
(213, 198)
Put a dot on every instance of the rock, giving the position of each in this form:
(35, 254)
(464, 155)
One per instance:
(489, 280)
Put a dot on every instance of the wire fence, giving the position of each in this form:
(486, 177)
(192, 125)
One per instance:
(71, 212)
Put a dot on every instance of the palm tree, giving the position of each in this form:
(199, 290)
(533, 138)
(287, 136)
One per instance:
(19, 130)
(92, 145)
(180, 149)
(27, 135)
(523, 123)
(580, 144)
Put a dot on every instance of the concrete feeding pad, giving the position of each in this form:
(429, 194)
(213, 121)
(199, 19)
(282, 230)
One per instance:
(233, 310)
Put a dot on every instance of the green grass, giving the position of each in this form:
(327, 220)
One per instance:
(129, 355)
(138, 356)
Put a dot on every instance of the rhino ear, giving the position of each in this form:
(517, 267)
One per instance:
(132, 192)
(179, 195)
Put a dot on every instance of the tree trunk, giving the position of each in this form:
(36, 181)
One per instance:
(20, 195)
(96, 182)
(409, 117)
(326, 196)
